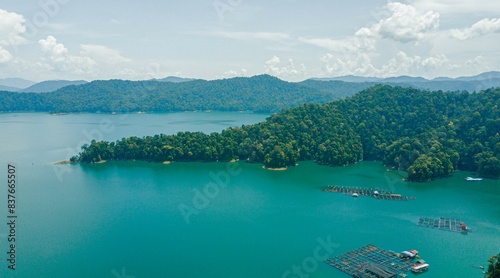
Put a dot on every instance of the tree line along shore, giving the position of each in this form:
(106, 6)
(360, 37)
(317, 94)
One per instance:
(429, 134)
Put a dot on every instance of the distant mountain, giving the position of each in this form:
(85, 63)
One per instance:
(404, 79)
(174, 79)
(410, 79)
(362, 79)
(50, 86)
(18, 83)
(481, 77)
(350, 78)
(442, 78)
(470, 83)
(9, 89)
(262, 93)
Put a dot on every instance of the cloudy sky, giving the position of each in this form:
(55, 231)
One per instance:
(211, 39)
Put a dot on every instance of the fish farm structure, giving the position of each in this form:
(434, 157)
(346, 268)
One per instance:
(369, 192)
(446, 224)
(372, 262)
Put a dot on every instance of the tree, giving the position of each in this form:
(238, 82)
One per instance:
(494, 267)
(428, 134)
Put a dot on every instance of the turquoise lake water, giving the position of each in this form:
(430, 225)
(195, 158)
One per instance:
(124, 219)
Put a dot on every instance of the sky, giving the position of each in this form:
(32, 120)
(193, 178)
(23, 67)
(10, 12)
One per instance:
(213, 39)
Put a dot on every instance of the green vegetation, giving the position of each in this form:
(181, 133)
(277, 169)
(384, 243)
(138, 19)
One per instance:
(258, 94)
(494, 267)
(428, 134)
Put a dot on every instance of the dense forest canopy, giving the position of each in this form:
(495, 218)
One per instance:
(494, 267)
(429, 134)
(262, 93)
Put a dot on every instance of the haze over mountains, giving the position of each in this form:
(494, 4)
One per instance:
(14, 84)
(477, 82)
(25, 86)
(50, 86)
(469, 83)
(405, 78)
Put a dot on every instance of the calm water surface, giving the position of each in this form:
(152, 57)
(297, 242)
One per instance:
(122, 219)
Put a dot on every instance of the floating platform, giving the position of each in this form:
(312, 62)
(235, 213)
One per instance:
(446, 224)
(371, 262)
(369, 192)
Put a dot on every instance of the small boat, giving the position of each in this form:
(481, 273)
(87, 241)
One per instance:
(473, 179)
(407, 254)
(355, 195)
(417, 268)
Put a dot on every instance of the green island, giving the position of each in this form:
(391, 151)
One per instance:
(429, 134)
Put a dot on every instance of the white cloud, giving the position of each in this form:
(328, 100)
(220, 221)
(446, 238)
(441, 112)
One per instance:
(363, 64)
(104, 54)
(405, 24)
(92, 60)
(482, 27)
(5, 55)
(268, 36)
(351, 63)
(274, 67)
(11, 33)
(234, 73)
(357, 54)
(11, 28)
(351, 44)
(382, 49)
(59, 58)
(56, 50)
(406, 64)
(458, 6)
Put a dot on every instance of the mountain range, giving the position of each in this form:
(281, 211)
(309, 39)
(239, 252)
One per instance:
(50, 86)
(26, 86)
(410, 79)
(262, 93)
(14, 84)
(477, 82)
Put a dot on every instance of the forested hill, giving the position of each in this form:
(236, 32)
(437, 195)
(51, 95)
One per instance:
(428, 134)
(258, 94)
(262, 93)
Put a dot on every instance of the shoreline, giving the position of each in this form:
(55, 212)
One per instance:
(63, 162)
(275, 169)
